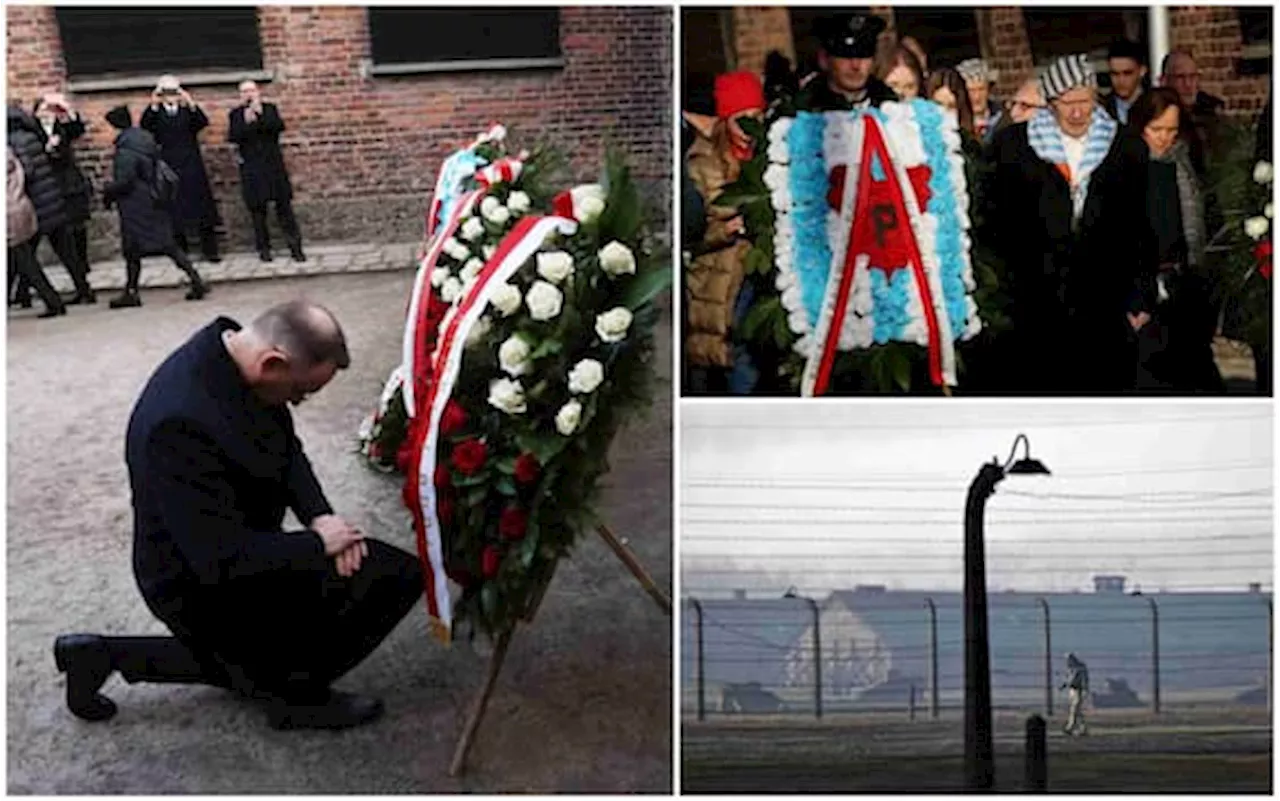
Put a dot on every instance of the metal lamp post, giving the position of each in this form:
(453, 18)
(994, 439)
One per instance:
(979, 751)
(817, 648)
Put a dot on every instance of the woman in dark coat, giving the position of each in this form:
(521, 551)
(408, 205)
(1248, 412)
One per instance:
(175, 119)
(63, 125)
(28, 141)
(146, 227)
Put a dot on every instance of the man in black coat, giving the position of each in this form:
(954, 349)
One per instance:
(1127, 67)
(214, 462)
(255, 127)
(146, 225)
(847, 60)
(175, 119)
(29, 143)
(1069, 221)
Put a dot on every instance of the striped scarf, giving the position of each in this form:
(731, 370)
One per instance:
(1045, 138)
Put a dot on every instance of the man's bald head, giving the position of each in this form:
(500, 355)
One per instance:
(306, 331)
(1180, 73)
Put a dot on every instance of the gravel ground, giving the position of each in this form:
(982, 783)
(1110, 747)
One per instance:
(584, 704)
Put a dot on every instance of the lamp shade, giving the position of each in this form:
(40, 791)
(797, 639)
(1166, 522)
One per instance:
(1028, 467)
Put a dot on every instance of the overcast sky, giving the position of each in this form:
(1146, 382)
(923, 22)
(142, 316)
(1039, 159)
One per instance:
(1173, 495)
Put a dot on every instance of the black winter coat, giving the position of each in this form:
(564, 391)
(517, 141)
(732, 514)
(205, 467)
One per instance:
(179, 147)
(818, 95)
(1072, 286)
(212, 471)
(77, 190)
(263, 175)
(27, 138)
(145, 228)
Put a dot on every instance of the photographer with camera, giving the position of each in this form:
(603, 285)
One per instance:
(255, 127)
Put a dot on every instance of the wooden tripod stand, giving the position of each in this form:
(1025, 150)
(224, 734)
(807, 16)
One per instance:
(499, 654)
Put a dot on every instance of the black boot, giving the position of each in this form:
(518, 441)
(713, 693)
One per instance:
(198, 289)
(86, 660)
(340, 711)
(265, 254)
(52, 311)
(127, 300)
(295, 250)
(82, 297)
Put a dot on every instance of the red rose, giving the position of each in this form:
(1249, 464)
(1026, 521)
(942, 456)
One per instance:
(444, 511)
(468, 456)
(442, 478)
(527, 468)
(562, 204)
(1265, 271)
(404, 455)
(513, 522)
(453, 418)
(489, 561)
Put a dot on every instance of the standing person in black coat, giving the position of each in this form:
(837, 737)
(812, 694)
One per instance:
(255, 127)
(63, 125)
(146, 226)
(22, 222)
(847, 60)
(214, 462)
(29, 144)
(1069, 220)
(175, 119)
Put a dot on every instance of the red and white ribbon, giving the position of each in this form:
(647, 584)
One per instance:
(502, 171)
(516, 248)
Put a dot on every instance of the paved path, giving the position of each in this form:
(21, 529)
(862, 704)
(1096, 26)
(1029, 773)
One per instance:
(322, 259)
(584, 704)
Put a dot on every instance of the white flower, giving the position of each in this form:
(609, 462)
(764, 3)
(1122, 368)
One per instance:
(470, 270)
(456, 250)
(776, 176)
(500, 215)
(1256, 227)
(488, 205)
(488, 251)
(438, 276)
(513, 356)
(479, 331)
(507, 395)
(1266, 211)
(585, 376)
(519, 202)
(568, 417)
(544, 301)
(506, 299)
(472, 229)
(555, 266)
(617, 259)
(451, 289)
(588, 202)
(612, 325)
(779, 152)
(1263, 172)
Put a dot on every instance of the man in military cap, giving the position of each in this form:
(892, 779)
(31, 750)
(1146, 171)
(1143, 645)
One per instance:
(848, 49)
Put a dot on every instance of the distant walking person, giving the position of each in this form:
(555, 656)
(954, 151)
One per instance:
(146, 225)
(256, 127)
(1077, 687)
(175, 120)
(22, 227)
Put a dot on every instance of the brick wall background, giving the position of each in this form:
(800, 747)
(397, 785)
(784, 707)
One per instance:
(1212, 34)
(362, 151)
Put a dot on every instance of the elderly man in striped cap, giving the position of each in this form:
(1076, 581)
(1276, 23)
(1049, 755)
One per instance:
(1069, 206)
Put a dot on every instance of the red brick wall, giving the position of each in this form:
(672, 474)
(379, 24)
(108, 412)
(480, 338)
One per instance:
(1212, 35)
(757, 31)
(363, 152)
(1006, 47)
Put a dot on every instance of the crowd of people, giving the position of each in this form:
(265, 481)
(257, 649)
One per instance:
(157, 183)
(1096, 204)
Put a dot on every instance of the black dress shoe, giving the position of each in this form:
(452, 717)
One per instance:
(87, 662)
(127, 300)
(265, 255)
(80, 297)
(56, 311)
(197, 291)
(297, 254)
(212, 258)
(340, 711)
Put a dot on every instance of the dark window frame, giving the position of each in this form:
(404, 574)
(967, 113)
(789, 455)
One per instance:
(407, 39)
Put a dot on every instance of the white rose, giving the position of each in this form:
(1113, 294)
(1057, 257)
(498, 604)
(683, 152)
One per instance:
(1256, 227)
(555, 266)
(519, 202)
(451, 289)
(585, 376)
(488, 205)
(438, 276)
(1263, 172)
(612, 325)
(1266, 211)
(472, 229)
(488, 251)
(456, 250)
(568, 417)
(500, 215)
(470, 270)
(479, 331)
(617, 259)
(544, 301)
(588, 202)
(507, 395)
(513, 356)
(506, 299)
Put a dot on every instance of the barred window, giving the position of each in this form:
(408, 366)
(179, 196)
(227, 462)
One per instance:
(101, 41)
(407, 39)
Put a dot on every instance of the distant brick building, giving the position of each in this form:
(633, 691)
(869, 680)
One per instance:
(373, 98)
(1232, 45)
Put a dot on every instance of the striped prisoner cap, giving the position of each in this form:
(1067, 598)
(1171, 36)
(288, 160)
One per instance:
(1067, 73)
(975, 70)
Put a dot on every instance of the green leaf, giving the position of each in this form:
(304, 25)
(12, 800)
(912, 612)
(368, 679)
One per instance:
(646, 286)
(529, 545)
(761, 312)
(543, 446)
(756, 262)
(489, 599)
(475, 496)
(548, 347)
(506, 465)
(901, 368)
(506, 486)
(476, 480)
(781, 328)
